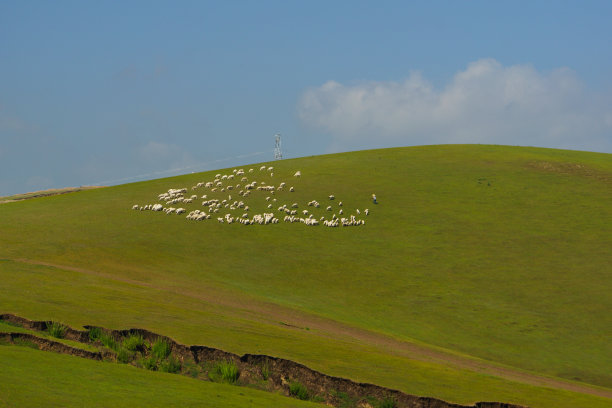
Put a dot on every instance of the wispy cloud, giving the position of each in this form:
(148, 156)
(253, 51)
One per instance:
(485, 103)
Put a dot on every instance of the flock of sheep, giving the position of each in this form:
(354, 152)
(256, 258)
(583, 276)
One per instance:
(226, 186)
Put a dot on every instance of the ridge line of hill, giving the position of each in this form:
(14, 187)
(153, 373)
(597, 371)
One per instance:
(298, 318)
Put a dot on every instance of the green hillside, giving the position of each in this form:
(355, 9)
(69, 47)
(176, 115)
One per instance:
(38, 379)
(483, 273)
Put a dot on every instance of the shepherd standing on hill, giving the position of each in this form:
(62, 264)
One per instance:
(374, 198)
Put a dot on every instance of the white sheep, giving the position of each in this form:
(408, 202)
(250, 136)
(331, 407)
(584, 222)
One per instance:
(291, 189)
(331, 197)
(366, 211)
(297, 174)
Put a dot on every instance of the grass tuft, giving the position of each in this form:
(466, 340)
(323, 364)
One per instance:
(170, 365)
(134, 342)
(298, 390)
(225, 371)
(150, 363)
(388, 402)
(109, 341)
(160, 349)
(265, 370)
(94, 333)
(124, 355)
(57, 330)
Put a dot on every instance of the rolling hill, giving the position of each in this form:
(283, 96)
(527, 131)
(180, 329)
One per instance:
(483, 273)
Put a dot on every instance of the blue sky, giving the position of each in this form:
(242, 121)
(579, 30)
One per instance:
(112, 92)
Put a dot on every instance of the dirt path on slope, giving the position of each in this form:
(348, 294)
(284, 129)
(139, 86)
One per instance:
(270, 312)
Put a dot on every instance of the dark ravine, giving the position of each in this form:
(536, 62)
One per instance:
(332, 391)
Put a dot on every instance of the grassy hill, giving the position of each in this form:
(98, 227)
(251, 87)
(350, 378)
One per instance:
(482, 274)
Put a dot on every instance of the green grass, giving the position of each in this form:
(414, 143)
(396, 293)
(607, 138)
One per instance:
(160, 349)
(298, 390)
(109, 341)
(489, 251)
(32, 378)
(94, 333)
(134, 342)
(57, 330)
(170, 365)
(387, 403)
(225, 371)
(6, 327)
(124, 355)
(26, 343)
(265, 370)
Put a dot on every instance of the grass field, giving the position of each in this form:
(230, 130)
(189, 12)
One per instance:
(37, 379)
(475, 256)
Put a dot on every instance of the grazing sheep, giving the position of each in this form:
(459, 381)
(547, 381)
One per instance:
(297, 174)
(262, 168)
(135, 207)
(329, 208)
(291, 189)
(331, 197)
(366, 211)
(340, 204)
(294, 205)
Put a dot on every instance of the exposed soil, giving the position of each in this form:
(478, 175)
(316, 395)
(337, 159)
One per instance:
(269, 312)
(259, 371)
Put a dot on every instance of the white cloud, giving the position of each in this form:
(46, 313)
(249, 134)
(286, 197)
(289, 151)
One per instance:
(485, 103)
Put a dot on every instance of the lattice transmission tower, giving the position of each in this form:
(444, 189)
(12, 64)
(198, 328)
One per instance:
(278, 154)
